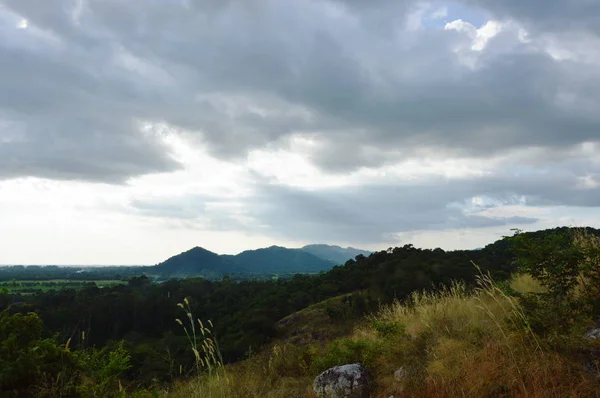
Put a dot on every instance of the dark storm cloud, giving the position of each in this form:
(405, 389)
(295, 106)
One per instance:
(76, 102)
(79, 82)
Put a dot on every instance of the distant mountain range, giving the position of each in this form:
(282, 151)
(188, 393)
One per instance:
(269, 260)
(335, 254)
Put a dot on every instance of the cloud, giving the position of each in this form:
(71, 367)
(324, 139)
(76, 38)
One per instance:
(367, 214)
(378, 206)
(238, 76)
(338, 119)
(379, 211)
(440, 13)
(546, 15)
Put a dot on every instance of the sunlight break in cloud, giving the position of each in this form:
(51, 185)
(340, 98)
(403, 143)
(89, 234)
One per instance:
(479, 36)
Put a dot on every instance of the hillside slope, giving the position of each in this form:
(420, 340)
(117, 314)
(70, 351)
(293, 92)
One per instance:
(450, 343)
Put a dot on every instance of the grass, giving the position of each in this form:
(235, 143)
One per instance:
(282, 369)
(242, 381)
(524, 283)
(204, 344)
(321, 322)
(456, 342)
(460, 343)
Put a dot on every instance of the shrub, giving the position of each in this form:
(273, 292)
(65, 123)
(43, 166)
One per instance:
(33, 365)
(345, 351)
(567, 265)
(101, 370)
(388, 330)
(27, 359)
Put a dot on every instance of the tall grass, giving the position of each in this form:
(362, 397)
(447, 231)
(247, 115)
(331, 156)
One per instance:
(204, 344)
(525, 283)
(474, 344)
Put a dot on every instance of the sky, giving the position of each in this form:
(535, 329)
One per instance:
(132, 131)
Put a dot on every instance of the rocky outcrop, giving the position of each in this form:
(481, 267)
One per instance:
(346, 381)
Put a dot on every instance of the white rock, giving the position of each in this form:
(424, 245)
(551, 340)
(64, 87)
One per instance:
(346, 381)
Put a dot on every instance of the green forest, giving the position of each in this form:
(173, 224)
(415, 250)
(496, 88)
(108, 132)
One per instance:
(135, 337)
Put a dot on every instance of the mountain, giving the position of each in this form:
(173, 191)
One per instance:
(335, 254)
(277, 259)
(197, 261)
(270, 260)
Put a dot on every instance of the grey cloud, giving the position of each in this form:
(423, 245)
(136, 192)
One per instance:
(546, 14)
(373, 213)
(205, 212)
(362, 90)
(367, 214)
(183, 208)
(419, 95)
(72, 119)
(540, 14)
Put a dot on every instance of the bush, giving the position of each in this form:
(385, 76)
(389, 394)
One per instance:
(388, 330)
(346, 351)
(102, 369)
(26, 359)
(567, 265)
(35, 366)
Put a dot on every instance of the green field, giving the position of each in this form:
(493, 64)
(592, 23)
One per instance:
(32, 286)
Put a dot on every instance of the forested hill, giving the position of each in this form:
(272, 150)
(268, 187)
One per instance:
(196, 261)
(277, 259)
(244, 313)
(270, 260)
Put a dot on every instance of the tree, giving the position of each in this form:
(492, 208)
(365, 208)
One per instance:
(561, 260)
(554, 260)
(567, 263)
(27, 359)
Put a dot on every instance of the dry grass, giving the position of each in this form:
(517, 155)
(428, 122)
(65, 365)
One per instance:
(525, 283)
(451, 311)
(280, 370)
(314, 323)
(452, 343)
(479, 345)
(248, 379)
